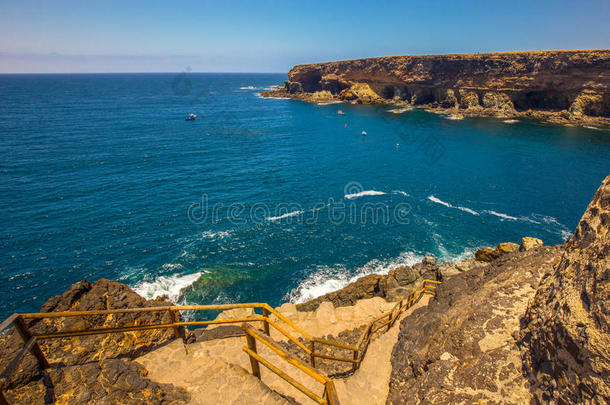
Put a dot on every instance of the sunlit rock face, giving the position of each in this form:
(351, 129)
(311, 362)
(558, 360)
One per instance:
(565, 85)
(566, 330)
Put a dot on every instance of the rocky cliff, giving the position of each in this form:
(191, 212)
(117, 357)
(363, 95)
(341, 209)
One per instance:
(529, 327)
(566, 330)
(562, 86)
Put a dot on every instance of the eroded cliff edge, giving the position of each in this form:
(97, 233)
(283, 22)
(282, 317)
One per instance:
(527, 328)
(567, 87)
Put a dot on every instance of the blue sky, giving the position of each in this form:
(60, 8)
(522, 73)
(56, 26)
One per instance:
(272, 36)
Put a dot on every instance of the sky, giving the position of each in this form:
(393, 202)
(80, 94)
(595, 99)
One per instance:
(61, 36)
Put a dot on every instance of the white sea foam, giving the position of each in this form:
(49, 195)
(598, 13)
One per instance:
(454, 117)
(329, 102)
(501, 215)
(399, 110)
(215, 235)
(457, 207)
(510, 121)
(327, 279)
(250, 88)
(364, 193)
(287, 215)
(166, 285)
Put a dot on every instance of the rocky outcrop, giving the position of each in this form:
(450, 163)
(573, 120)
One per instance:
(110, 381)
(566, 330)
(93, 350)
(532, 326)
(562, 86)
(462, 347)
(396, 284)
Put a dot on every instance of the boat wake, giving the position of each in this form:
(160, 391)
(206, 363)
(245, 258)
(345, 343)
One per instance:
(287, 215)
(363, 194)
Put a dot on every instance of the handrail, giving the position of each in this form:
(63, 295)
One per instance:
(30, 339)
(253, 335)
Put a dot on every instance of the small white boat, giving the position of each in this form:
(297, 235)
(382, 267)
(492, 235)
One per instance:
(363, 133)
(190, 117)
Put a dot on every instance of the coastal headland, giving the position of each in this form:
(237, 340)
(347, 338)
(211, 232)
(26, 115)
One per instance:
(563, 87)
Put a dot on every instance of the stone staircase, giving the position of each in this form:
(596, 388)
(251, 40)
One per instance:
(218, 371)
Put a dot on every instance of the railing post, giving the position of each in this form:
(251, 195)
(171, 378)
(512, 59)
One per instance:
(25, 334)
(312, 356)
(355, 357)
(173, 319)
(331, 393)
(256, 371)
(265, 323)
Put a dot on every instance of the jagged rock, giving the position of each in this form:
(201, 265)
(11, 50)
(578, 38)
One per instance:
(528, 243)
(84, 296)
(460, 348)
(588, 102)
(565, 332)
(110, 381)
(498, 101)
(486, 255)
(448, 270)
(507, 247)
(396, 284)
(450, 100)
(469, 99)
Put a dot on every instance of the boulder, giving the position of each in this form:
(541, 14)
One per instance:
(85, 296)
(528, 243)
(486, 255)
(507, 247)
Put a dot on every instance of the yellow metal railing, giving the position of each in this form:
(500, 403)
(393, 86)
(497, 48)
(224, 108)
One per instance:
(30, 339)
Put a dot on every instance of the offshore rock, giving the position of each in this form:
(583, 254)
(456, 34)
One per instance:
(566, 330)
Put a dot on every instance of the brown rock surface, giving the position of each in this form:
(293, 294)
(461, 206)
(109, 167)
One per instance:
(110, 381)
(461, 348)
(396, 284)
(83, 296)
(566, 330)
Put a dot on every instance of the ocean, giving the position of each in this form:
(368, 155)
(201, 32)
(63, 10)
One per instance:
(260, 199)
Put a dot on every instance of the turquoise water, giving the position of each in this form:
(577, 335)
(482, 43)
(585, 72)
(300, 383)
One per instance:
(101, 176)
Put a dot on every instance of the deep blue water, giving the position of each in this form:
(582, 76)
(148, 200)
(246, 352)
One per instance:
(101, 176)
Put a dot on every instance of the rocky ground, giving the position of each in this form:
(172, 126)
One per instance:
(562, 87)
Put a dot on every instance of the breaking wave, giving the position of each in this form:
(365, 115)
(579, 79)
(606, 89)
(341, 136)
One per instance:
(501, 215)
(327, 279)
(169, 286)
(446, 204)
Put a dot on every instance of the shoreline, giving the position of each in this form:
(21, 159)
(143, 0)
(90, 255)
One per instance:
(562, 118)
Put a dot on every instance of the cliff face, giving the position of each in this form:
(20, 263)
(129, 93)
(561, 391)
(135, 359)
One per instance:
(573, 83)
(530, 327)
(566, 330)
